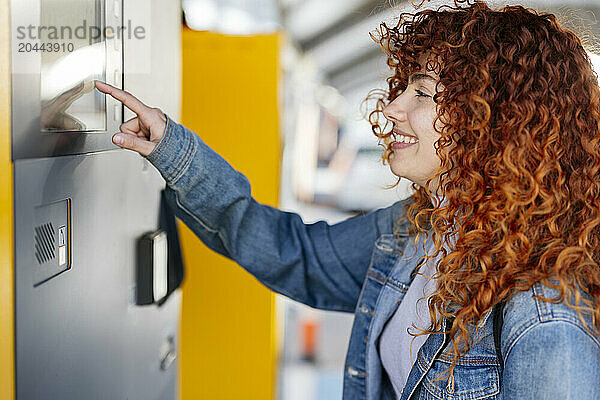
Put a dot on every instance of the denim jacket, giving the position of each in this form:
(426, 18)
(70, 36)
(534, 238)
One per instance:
(360, 266)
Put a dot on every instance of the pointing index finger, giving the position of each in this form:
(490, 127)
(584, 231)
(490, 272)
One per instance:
(128, 100)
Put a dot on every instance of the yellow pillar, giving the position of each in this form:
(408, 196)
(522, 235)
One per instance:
(230, 99)
(6, 214)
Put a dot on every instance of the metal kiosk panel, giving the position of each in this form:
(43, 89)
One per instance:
(59, 48)
(80, 204)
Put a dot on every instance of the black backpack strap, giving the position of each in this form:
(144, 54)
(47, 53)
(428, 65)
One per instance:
(498, 321)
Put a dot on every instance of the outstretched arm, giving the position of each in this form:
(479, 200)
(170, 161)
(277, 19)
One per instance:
(318, 264)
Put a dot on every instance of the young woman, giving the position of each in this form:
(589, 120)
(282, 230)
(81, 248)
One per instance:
(495, 117)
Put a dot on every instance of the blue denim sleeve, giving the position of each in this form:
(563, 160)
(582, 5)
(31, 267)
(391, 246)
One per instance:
(318, 264)
(552, 360)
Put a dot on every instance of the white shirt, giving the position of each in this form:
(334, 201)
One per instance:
(396, 353)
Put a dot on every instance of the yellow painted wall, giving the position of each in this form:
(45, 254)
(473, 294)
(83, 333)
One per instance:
(230, 87)
(6, 214)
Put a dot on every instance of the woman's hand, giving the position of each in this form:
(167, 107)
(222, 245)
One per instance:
(141, 133)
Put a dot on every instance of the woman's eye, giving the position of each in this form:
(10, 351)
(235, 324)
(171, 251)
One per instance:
(421, 94)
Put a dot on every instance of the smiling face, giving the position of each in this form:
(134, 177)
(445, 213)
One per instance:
(412, 114)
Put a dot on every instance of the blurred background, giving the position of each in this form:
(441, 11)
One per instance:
(331, 165)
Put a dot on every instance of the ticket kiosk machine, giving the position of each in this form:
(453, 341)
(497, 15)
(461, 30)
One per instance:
(81, 204)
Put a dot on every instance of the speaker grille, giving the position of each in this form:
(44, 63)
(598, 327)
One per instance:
(45, 243)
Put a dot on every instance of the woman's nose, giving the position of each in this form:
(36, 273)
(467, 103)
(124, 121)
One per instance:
(395, 112)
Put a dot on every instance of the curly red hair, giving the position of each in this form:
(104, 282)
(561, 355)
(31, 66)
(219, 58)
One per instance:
(520, 158)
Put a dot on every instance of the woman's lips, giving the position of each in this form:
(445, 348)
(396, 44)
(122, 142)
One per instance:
(400, 145)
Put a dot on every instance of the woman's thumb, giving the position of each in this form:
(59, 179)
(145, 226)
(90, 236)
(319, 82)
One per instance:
(133, 142)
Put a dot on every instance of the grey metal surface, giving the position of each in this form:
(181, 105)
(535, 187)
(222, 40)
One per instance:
(28, 139)
(80, 334)
(52, 242)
